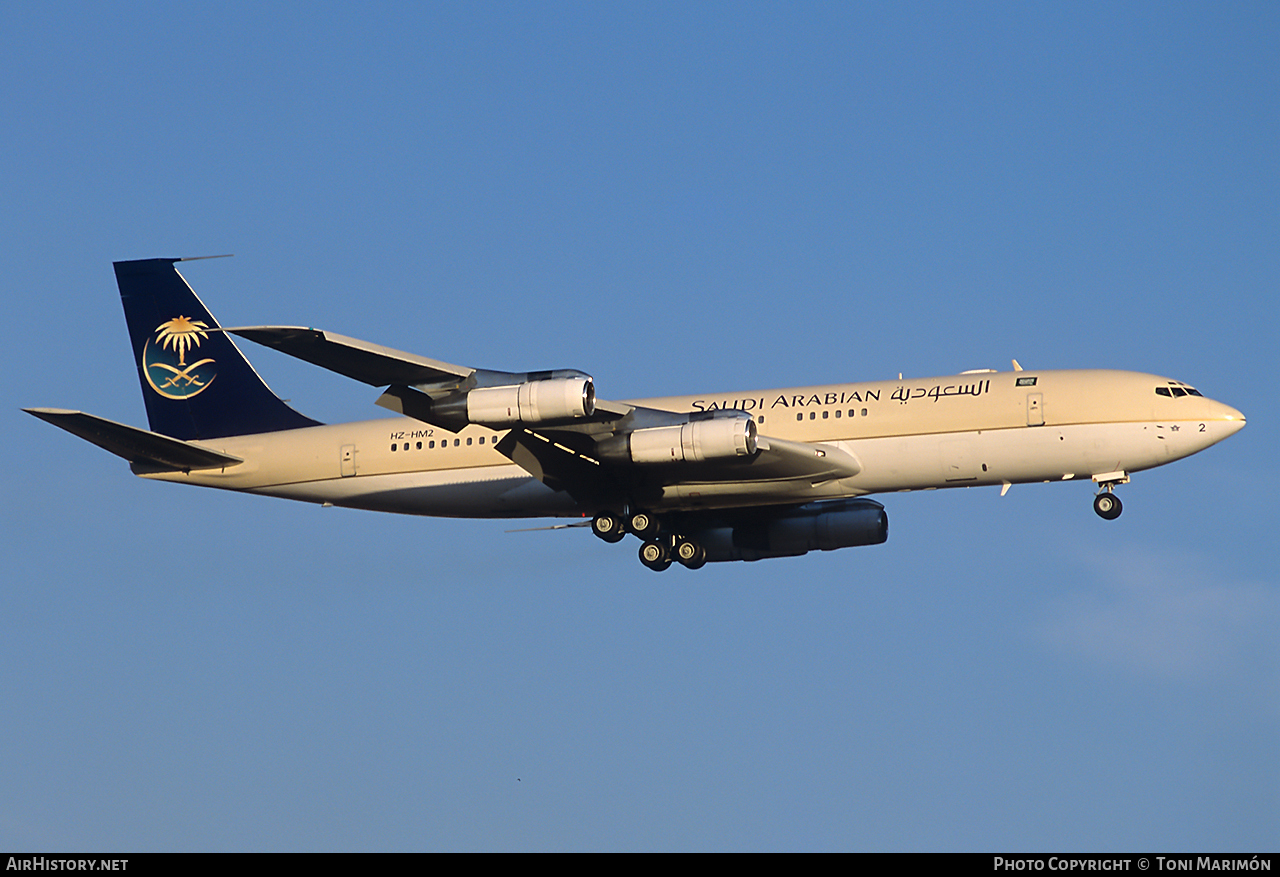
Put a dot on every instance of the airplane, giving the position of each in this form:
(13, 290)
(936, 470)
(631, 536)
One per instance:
(698, 479)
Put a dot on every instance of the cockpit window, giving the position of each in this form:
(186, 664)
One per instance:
(1177, 388)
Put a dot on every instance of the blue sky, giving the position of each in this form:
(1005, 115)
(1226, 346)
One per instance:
(675, 199)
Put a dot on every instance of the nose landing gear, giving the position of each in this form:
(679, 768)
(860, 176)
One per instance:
(1108, 506)
(1106, 503)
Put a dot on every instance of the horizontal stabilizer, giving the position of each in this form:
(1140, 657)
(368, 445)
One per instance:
(142, 448)
(369, 363)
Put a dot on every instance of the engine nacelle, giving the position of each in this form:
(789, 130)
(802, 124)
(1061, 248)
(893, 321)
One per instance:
(719, 438)
(819, 527)
(551, 400)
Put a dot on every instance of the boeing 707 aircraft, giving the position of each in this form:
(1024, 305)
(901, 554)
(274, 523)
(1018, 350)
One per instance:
(731, 476)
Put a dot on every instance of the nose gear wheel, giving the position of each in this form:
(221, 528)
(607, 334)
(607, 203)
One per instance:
(1108, 506)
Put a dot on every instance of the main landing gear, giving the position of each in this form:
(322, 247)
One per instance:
(608, 527)
(659, 552)
(659, 549)
(654, 554)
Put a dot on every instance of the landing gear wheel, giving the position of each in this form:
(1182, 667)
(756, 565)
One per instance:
(643, 524)
(608, 527)
(1108, 506)
(690, 553)
(654, 555)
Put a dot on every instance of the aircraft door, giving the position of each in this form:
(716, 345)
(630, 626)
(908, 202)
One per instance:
(1035, 409)
(348, 460)
(958, 461)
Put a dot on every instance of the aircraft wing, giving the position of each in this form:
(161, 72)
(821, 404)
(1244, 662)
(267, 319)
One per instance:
(369, 363)
(585, 454)
(414, 379)
(569, 460)
(146, 450)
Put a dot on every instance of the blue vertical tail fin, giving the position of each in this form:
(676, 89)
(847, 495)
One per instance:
(195, 381)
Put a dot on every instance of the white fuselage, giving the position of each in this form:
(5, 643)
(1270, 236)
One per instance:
(973, 429)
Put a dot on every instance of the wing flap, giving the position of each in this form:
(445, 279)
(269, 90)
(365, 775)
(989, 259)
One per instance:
(140, 447)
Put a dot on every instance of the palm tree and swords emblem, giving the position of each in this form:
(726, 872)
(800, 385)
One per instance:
(181, 335)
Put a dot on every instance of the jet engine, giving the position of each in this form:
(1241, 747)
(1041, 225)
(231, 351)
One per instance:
(556, 399)
(714, 439)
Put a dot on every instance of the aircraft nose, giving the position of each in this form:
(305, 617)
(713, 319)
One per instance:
(1232, 419)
